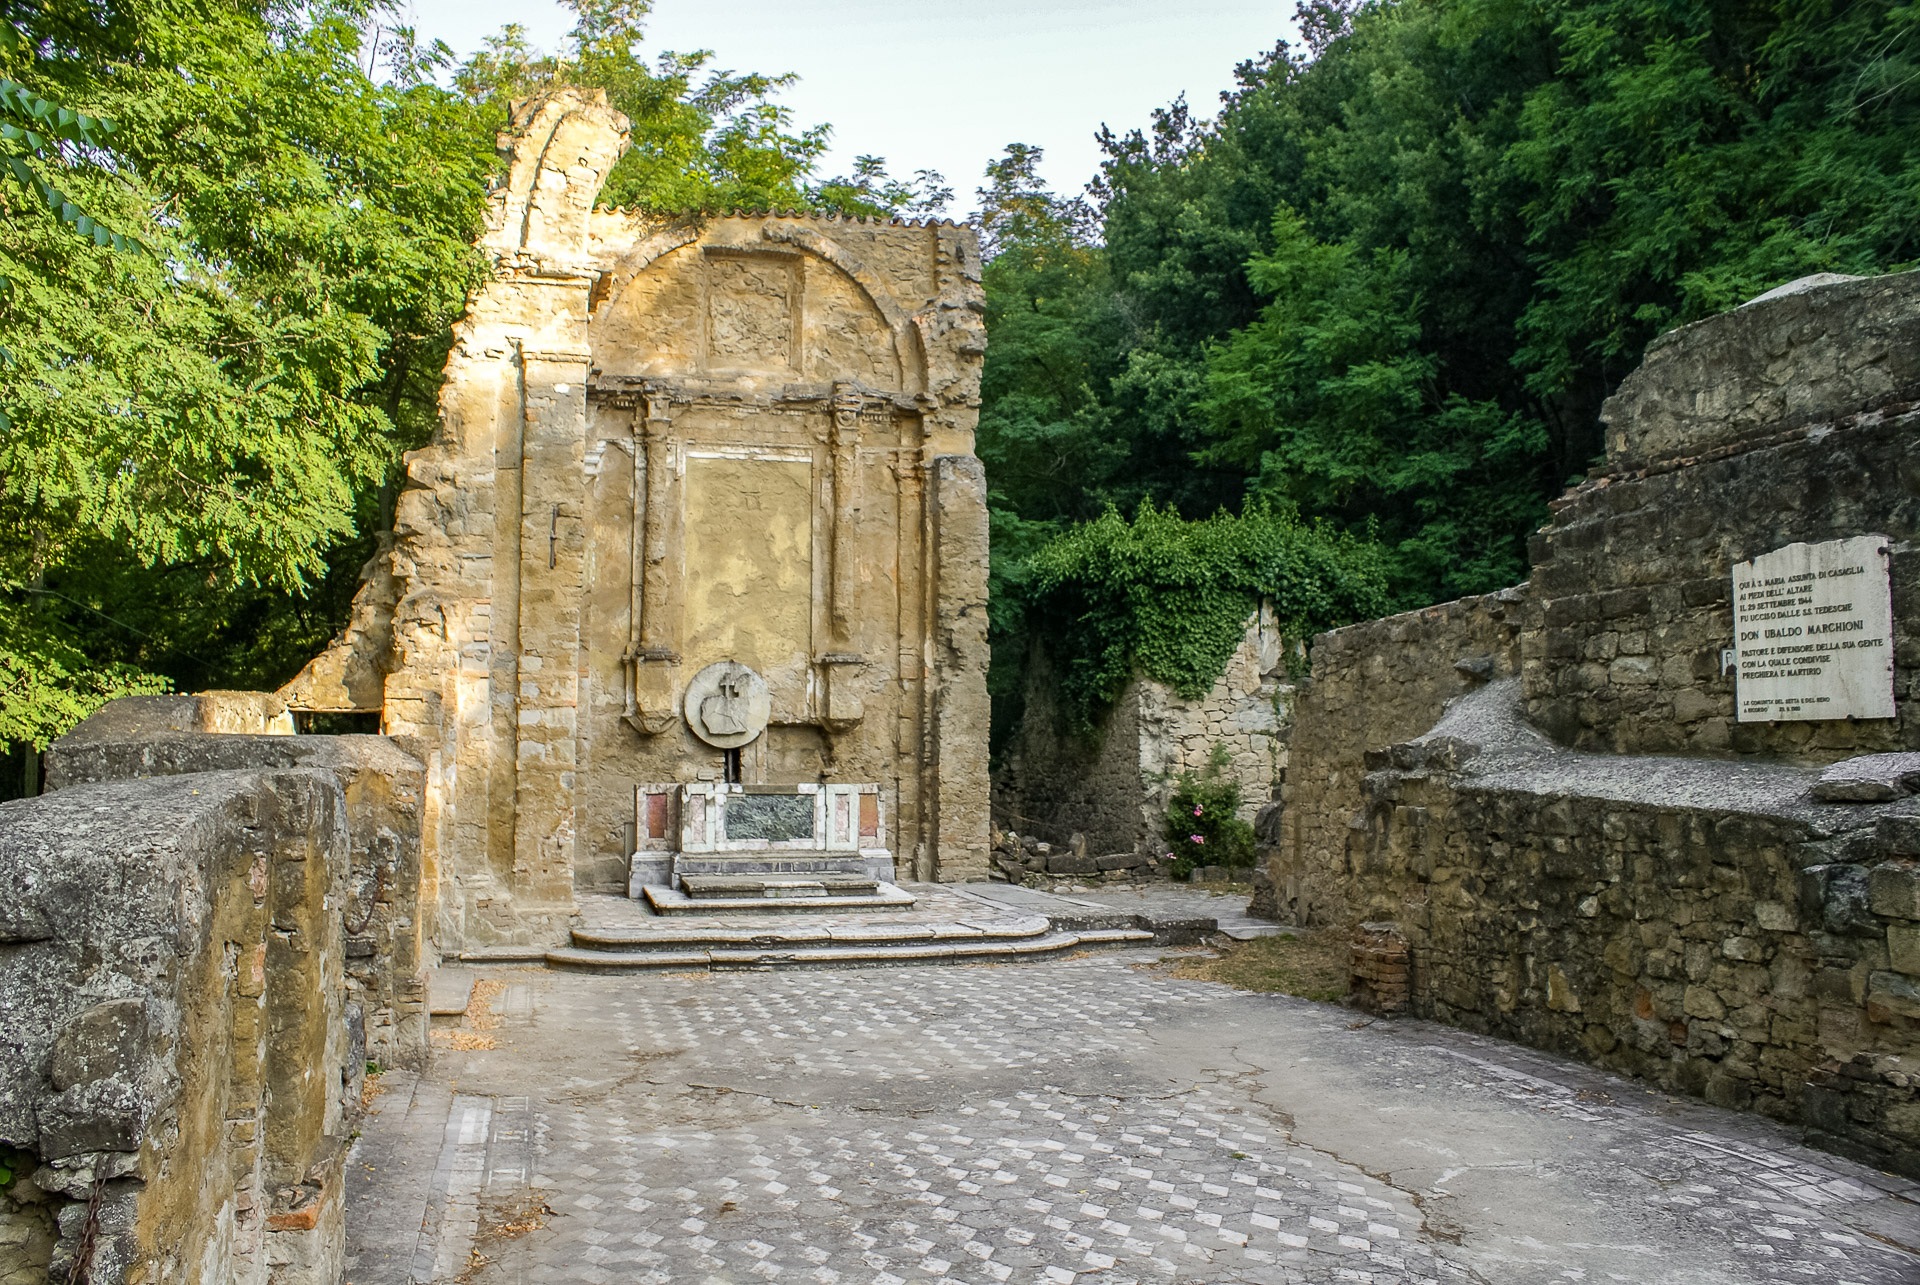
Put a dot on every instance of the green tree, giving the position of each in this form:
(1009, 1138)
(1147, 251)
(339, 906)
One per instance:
(1393, 279)
(1043, 431)
(203, 420)
(1329, 400)
(704, 139)
(206, 439)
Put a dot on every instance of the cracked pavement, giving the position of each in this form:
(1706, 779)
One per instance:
(1086, 1120)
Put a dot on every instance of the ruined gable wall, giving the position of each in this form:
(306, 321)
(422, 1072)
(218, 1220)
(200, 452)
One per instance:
(1114, 787)
(593, 522)
(794, 400)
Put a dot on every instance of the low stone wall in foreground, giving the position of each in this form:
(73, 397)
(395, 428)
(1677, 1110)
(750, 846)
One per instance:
(386, 913)
(1716, 928)
(178, 1063)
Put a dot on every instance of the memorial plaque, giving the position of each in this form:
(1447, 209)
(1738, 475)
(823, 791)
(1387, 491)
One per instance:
(1813, 632)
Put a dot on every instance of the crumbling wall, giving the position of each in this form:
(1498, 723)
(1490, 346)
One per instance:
(1113, 786)
(1594, 856)
(390, 888)
(667, 443)
(1716, 928)
(1791, 419)
(178, 1060)
(1368, 686)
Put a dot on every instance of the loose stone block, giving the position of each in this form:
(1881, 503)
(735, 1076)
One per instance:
(1894, 888)
(1871, 778)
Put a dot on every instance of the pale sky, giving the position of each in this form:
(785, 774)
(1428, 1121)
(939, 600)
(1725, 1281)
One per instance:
(944, 86)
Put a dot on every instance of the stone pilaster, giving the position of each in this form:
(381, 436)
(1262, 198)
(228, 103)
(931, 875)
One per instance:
(958, 510)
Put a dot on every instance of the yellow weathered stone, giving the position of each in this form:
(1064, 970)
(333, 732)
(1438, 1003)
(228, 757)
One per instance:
(666, 443)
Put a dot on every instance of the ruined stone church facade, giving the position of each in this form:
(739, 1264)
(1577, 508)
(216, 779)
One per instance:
(727, 456)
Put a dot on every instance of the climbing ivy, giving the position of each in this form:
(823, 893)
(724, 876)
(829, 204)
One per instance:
(1170, 598)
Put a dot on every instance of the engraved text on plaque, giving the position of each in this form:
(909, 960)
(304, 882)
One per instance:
(1813, 632)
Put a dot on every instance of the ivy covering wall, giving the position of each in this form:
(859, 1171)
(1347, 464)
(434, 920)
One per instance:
(1170, 598)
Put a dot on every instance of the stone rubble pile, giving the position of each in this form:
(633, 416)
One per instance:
(1018, 858)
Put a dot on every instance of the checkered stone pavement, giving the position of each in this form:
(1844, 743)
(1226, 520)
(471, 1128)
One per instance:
(1039, 1186)
(1076, 1121)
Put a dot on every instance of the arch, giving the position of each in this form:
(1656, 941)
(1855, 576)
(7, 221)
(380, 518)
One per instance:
(641, 257)
(909, 343)
(806, 238)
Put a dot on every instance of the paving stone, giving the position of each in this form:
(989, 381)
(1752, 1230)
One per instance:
(1091, 1121)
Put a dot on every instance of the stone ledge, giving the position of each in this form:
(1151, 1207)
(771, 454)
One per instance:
(1044, 947)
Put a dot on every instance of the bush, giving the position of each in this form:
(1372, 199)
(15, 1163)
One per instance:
(1203, 825)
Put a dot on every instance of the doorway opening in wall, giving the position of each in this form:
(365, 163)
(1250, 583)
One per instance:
(730, 764)
(321, 722)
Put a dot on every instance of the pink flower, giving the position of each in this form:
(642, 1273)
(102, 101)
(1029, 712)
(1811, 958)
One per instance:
(1197, 838)
(1196, 809)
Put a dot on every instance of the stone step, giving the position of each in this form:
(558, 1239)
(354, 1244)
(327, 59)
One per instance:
(709, 887)
(850, 956)
(775, 867)
(791, 935)
(672, 901)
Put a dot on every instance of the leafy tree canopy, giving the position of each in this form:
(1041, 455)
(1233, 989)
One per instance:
(213, 406)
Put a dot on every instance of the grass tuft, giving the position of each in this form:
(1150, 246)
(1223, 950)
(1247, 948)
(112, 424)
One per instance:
(1312, 965)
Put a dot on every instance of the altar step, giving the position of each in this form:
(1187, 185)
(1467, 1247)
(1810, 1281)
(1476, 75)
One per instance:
(722, 950)
(717, 887)
(775, 895)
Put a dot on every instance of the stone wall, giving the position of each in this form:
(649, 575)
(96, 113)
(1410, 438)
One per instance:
(665, 444)
(390, 893)
(1594, 856)
(1715, 928)
(1787, 420)
(178, 1057)
(1368, 686)
(1113, 787)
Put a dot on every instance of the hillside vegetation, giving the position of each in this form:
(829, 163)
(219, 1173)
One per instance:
(1386, 287)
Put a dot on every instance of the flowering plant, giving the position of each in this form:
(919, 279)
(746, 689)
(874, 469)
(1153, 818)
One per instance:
(1203, 817)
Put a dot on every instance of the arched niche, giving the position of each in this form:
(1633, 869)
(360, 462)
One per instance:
(786, 306)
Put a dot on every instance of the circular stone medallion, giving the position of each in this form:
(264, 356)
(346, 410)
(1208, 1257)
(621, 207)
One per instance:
(728, 705)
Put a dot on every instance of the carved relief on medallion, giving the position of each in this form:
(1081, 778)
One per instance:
(728, 705)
